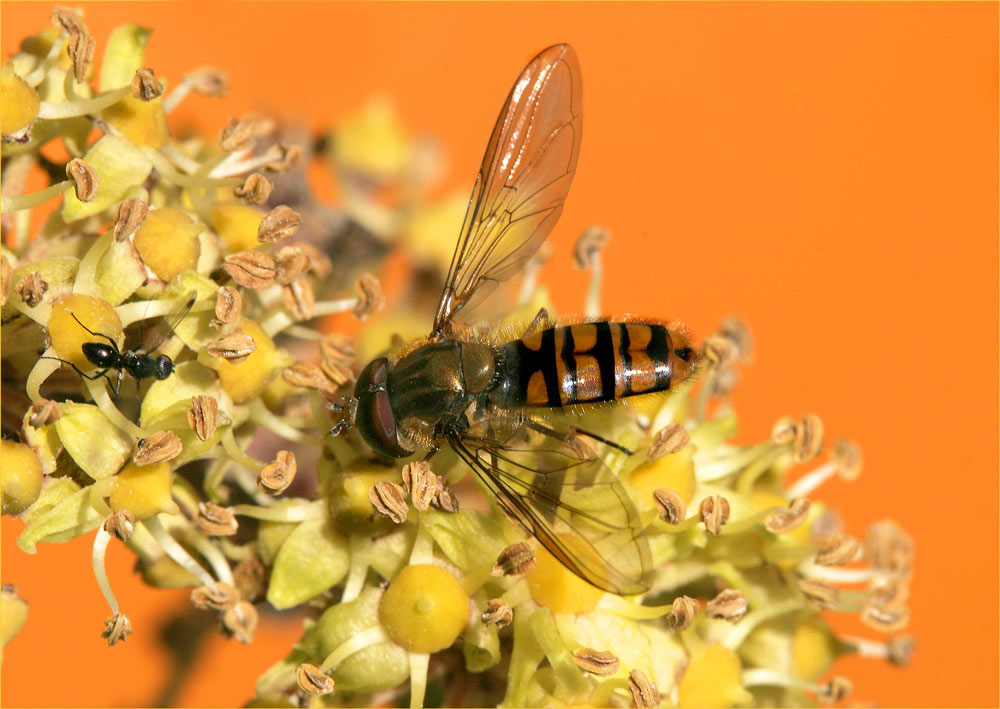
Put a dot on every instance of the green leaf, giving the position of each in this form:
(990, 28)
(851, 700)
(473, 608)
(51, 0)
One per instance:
(68, 519)
(123, 55)
(120, 165)
(313, 558)
(98, 446)
(467, 538)
(189, 379)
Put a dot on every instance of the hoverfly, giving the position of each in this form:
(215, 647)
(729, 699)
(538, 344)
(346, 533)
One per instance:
(139, 363)
(481, 397)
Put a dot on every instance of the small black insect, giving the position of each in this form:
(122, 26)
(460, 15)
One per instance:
(136, 362)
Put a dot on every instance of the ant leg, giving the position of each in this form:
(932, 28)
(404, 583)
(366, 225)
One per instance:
(91, 377)
(118, 382)
(574, 430)
(95, 334)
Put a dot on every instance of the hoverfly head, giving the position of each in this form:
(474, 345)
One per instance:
(374, 417)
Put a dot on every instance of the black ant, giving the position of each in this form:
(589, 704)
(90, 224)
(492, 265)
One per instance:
(139, 364)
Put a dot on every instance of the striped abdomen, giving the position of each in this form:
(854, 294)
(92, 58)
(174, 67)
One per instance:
(594, 362)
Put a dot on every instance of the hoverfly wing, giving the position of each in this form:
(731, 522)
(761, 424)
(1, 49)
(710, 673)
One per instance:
(522, 182)
(575, 507)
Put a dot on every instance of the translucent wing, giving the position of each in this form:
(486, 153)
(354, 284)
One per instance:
(522, 183)
(574, 506)
(165, 326)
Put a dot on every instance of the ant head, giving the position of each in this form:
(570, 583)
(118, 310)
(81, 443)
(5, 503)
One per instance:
(164, 366)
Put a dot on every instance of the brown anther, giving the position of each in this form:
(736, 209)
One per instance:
(299, 298)
(120, 524)
(131, 215)
(736, 331)
(228, 306)
(682, 612)
(218, 596)
(311, 681)
(596, 662)
(590, 243)
(498, 612)
(420, 483)
(277, 475)
(263, 125)
(69, 20)
(729, 604)
(900, 649)
(836, 690)
(446, 501)
(158, 447)
(251, 269)
(783, 521)
(6, 270)
(579, 447)
(669, 439)
(387, 499)
(280, 223)
(822, 595)
(117, 627)
(145, 85)
(719, 351)
(515, 560)
(337, 348)
(644, 693)
(371, 299)
(209, 80)
(31, 288)
(808, 438)
(847, 455)
(888, 547)
(236, 136)
(250, 576)
(308, 376)
(319, 263)
(669, 504)
(714, 513)
(215, 520)
(288, 157)
(838, 549)
(43, 412)
(203, 417)
(255, 189)
(240, 620)
(784, 431)
(885, 620)
(81, 48)
(890, 593)
(338, 373)
(85, 179)
(290, 262)
(234, 347)
(826, 524)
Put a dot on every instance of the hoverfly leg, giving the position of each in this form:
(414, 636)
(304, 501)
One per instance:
(568, 436)
(431, 452)
(583, 432)
(347, 407)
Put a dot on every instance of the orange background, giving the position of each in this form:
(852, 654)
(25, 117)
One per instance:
(828, 172)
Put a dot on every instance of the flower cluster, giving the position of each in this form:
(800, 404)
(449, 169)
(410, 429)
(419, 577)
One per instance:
(207, 253)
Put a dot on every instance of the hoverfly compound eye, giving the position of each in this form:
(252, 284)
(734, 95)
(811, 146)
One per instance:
(375, 419)
(164, 367)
